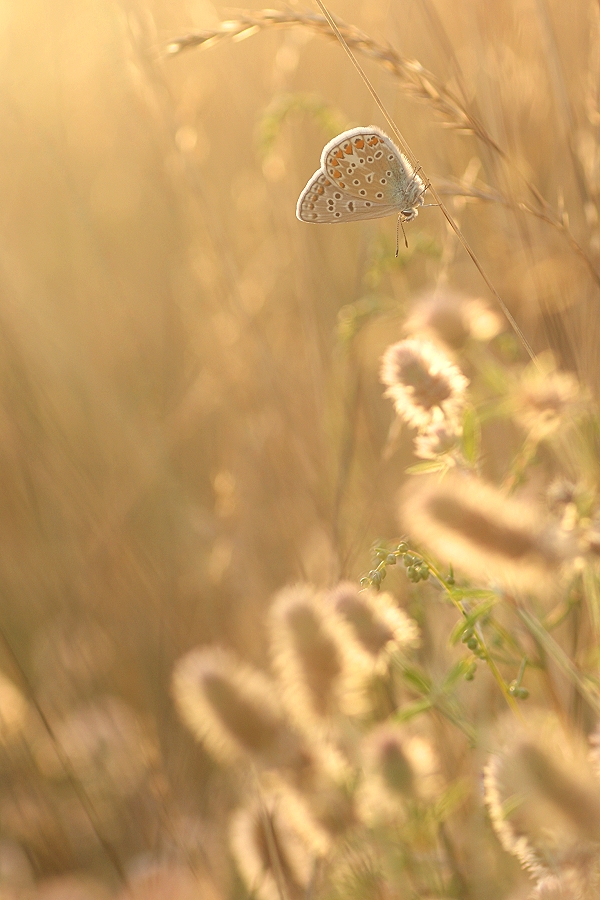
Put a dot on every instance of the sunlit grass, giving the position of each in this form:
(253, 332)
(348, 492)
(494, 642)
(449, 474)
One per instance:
(264, 632)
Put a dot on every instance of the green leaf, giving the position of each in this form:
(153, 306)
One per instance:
(433, 465)
(458, 594)
(471, 436)
(411, 710)
(416, 679)
(456, 673)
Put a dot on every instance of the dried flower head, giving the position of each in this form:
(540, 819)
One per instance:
(472, 525)
(232, 708)
(581, 882)
(424, 385)
(273, 855)
(438, 439)
(399, 766)
(377, 626)
(446, 315)
(542, 794)
(545, 397)
(310, 657)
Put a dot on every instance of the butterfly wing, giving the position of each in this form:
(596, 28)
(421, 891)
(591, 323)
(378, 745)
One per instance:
(366, 164)
(322, 202)
(363, 175)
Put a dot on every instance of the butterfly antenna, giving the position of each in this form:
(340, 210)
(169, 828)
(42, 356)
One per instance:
(463, 241)
(400, 225)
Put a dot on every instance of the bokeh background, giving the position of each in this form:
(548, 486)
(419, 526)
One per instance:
(190, 409)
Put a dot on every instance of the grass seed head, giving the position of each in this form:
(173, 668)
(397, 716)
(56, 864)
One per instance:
(488, 536)
(424, 385)
(378, 627)
(310, 657)
(448, 316)
(272, 853)
(542, 794)
(232, 709)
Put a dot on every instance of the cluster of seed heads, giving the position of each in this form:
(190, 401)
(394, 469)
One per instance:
(416, 567)
(472, 641)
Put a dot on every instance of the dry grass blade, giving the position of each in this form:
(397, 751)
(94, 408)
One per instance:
(416, 81)
(588, 691)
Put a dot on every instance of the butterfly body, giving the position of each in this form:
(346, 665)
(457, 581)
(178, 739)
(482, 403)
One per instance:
(363, 175)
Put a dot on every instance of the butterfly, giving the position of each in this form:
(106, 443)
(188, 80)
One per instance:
(363, 175)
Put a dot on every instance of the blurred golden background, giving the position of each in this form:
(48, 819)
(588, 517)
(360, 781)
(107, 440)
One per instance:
(190, 408)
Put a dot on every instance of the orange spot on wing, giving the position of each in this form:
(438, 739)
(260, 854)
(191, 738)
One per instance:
(339, 153)
(359, 143)
(347, 148)
(337, 174)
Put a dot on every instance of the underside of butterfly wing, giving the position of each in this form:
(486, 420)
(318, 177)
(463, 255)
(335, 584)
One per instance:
(366, 164)
(323, 202)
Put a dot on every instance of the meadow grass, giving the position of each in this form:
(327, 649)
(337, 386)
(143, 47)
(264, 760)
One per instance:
(300, 581)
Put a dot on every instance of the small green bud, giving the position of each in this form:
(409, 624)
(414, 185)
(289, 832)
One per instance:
(470, 673)
(473, 643)
(391, 559)
(516, 690)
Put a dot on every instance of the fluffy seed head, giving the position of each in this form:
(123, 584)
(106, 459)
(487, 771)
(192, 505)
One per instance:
(424, 385)
(544, 397)
(453, 318)
(272, 854)
(541, 793)
(472, 525)
(232, 709)
(388, 757)
(581, 882)
(438, 439)
(378, 627)
(399, 766)
(309, 657)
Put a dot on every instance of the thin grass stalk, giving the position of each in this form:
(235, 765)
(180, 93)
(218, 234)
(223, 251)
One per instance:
(416, 81)
(558, 655)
